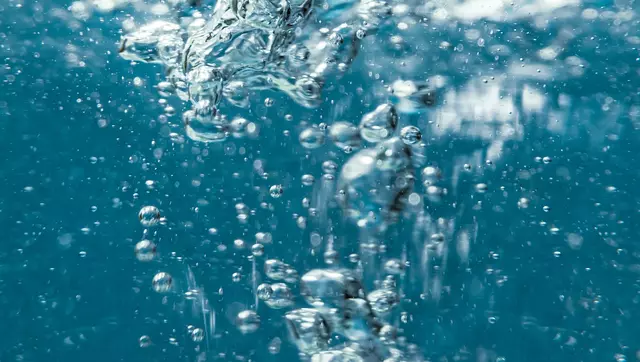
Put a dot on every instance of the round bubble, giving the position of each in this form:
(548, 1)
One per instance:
(248, 321)
(149, 216)
(162, 282)
(145, 250)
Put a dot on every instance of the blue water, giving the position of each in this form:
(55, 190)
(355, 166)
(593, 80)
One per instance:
(85, 146)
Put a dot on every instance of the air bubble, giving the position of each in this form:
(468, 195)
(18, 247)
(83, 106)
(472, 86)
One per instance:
(149, 216)
(248, 321)
(276, 191)
(145, 250)
(410, 135)
(162, 282)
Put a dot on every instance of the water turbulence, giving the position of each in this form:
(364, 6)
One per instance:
(406, 179)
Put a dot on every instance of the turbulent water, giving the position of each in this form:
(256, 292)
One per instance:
(320, 180)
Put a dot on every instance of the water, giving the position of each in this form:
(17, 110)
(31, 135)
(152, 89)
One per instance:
(319, 180)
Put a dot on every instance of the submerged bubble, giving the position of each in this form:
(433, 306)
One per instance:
(410, 135)
(374, 184)
(145, 250)
(345, 135)
(149, 216)
(359, 322)
(281, 296)
(264, 291)
(248, 321)
(307, 180)
(162, 282)
(257, 249)
(204, 128)
(144, 341)
(379, 124)
(394, 266)
(276, 191)
(308, 330)
(156, 42)
(197, 335)
(382, 300)
(277, 270)
(311, 138)
(326, 289)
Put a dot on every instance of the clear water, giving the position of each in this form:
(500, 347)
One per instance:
(327, 180)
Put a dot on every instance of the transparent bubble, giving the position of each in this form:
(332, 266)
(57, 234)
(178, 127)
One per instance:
(410, 135)
(238, 127)
(274, 346)
(307, 330)
(264, 291)
(149, 216)
(437, 238)
(145, 250)
(205, 127)
(144, 341)
(236, 277)
(154, 42)
(311, 138)
(308, 180)
(276, 270)
(523, 203)
(276, 191)
(281, 296)
(481, 187)
(345, 135)
(379, 124)
(326, 289)
(247, 321)
(382, 300)
(162, 282)
(387, 333)
(257, 249)
(197, 335)
(264, 238)
(374, 184)
(394, 266)
(359, 322)
(329, 167)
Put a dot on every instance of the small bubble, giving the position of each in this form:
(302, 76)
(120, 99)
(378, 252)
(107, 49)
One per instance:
(149, 216)
(481, 188)
(197, 335)
(145, 250)
(311, 138)
(546, 208)
(523, 203)
(410, 135)
(394, 266)
(248, 321)
(257, 249)
(276, 191)
(268, 102)
(264, 291)
(162, 282)
(274, 346)
(236, 277)
(308, 180)
(329, 167)
(546, 160)
(144, 341)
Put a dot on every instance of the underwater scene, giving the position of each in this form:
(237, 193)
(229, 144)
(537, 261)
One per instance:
(320, 180)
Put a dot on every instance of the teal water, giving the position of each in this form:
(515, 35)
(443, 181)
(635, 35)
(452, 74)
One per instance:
(532, 124)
